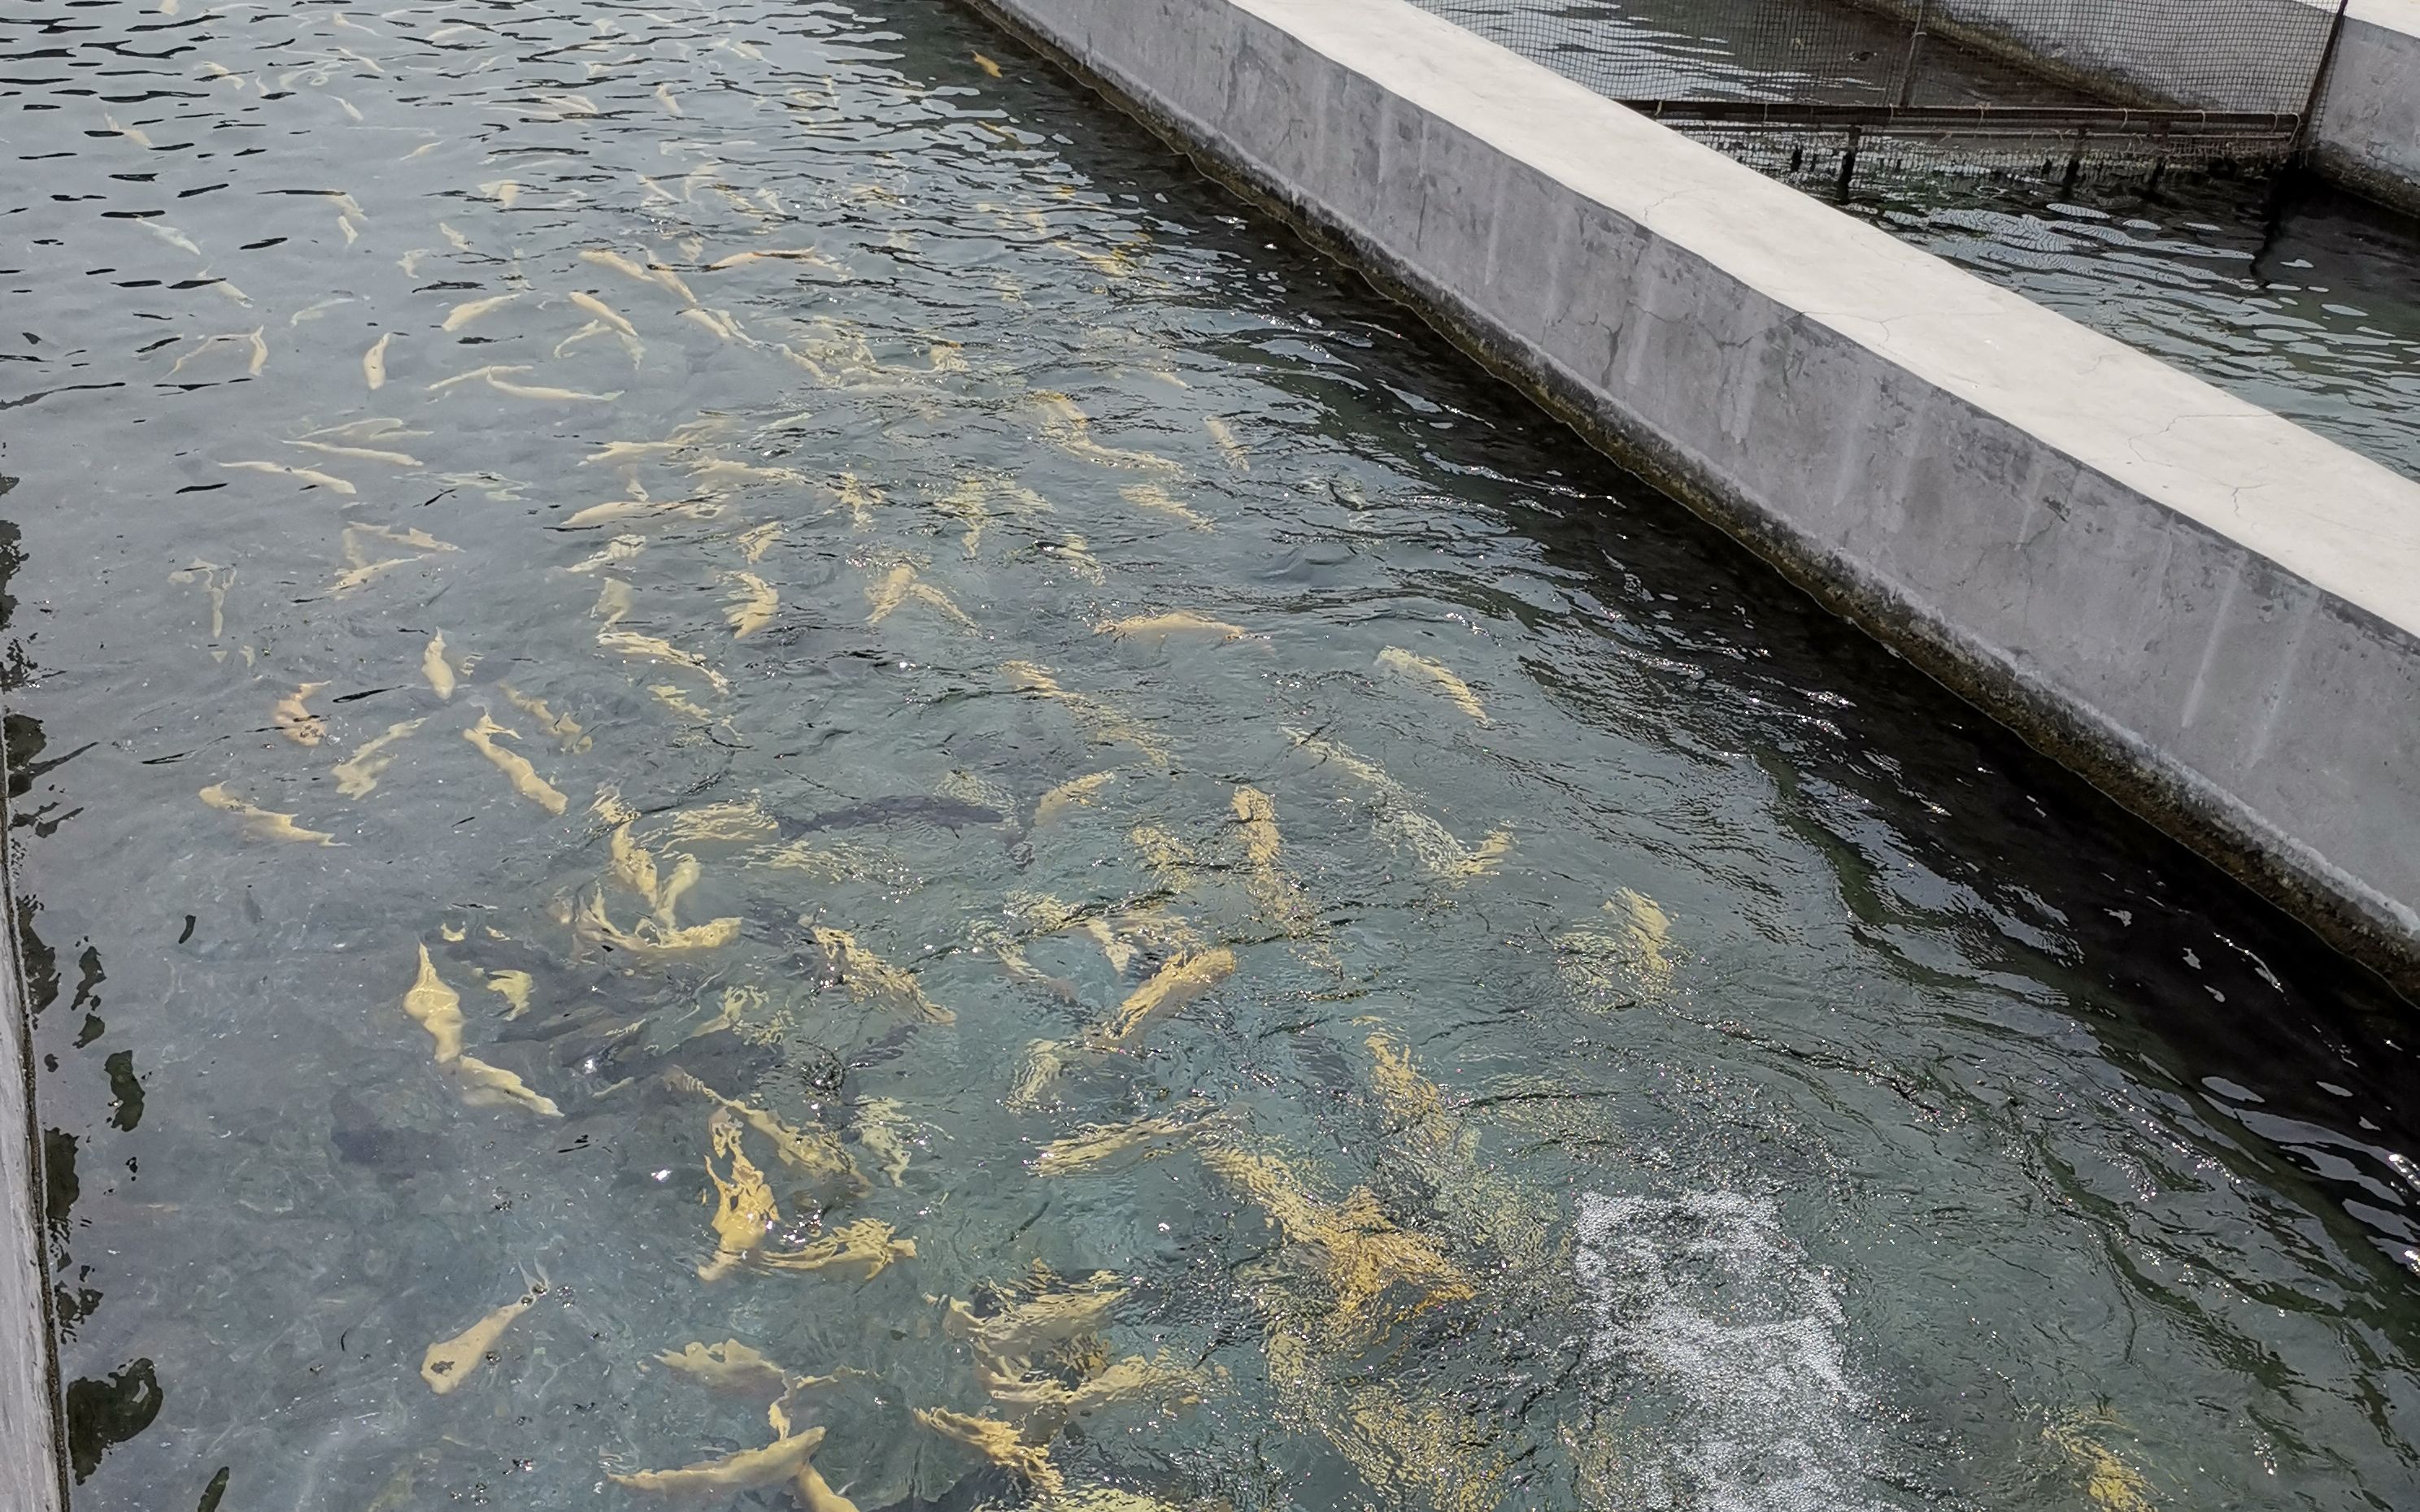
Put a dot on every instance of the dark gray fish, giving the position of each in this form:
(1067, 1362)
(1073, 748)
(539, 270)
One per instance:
(951, 814)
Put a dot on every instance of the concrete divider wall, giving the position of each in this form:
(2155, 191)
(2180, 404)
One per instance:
(2212, 612)
(32, 1462)
(2367, 134)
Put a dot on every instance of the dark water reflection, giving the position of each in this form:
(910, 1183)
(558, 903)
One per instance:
(1627, 1041)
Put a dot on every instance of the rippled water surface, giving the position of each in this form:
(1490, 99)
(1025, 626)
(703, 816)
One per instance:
(1024, 801)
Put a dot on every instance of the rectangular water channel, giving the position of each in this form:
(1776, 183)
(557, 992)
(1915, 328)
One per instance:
(693, 684)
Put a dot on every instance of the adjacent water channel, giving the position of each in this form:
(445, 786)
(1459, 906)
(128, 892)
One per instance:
(2298, 298)
(742, 743)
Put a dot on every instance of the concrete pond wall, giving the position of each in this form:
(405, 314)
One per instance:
(2367, 131)
(2209, 611)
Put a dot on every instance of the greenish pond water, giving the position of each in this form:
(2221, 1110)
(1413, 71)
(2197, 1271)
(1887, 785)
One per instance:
(1059, 864)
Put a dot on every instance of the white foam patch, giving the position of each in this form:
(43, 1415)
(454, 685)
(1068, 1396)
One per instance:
(1729, 1356)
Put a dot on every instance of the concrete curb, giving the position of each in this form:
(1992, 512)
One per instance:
(2213, 614)
(33, 1445)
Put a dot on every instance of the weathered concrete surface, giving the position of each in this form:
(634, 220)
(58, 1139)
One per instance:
(33, 1462)
(2212, 612)
(2367, 133)
(2258, 55)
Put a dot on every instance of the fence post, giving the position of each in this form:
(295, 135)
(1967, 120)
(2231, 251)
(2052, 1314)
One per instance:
(1915, 52)
(2318, 88)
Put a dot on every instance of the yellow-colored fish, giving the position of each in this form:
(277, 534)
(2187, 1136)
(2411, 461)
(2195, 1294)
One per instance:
(747, 1471)
(374, 362)
(870, 979)
(450, 1362)
(654, 648)
(298, 723)
(358, 774)
(563, 727)
(755, 542)
(752, 606)
(1171, 987)
(1077, 792)
(514, 987)
(515, 765)
(1236, 456)
(503, 191)
(470, 310)
(1000, 1444)
(1182, 622)
(1457, 692)
(482, 1085)
(437, 1007)
(542, 390)
(813, 1152)
(308, 475)
(647, 938)
(898, 586)
(604, 311)
(260, 822)
(987, 65)
(1152, 497)
(795, 255)
(365, 453)
(1069, 428)
(664, 97)
(434, 666)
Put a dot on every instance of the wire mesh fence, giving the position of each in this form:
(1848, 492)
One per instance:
(2058, 87)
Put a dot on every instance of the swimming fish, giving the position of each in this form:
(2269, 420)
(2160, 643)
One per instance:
(648, 938)
(621, 548)
(307, 475)
(434, 666)
(604, 311)
(898, 586)
(858, 1251)
(503, 191)
(653, 648)
(715, 471)
(795, 255)
(1361, 1253)
(514, 765)
(816, 1495)
(1170, 988)
(744, 1209)
(373, 362)
(1457, 692)
(870, 979)
(1041, 1403)
(664, 97)
(297, 723)
(1037, 1075)
(448, 1362)
(437, 1007)
(563, 727)
(1152, 497)
(1076, 793)
(1640, 943)
(1069, 428)
(260, 822)
(1095, 1145)
(1181, 622)
(988, 65)
(358, 774)
(1439, 854)
(747, 1471)
(1104, 724)
(751, 609)
(720, 322)
(753, 543)
(729, 1366)
(860, 498)
(482, 1085)
(365, 453)
(470, 310)
(476, 375)
(653, 273)
(882, 1129)
(999, 1443)
(814, 1152)
(1220, 432)
(2113, 1485)
(455, 239)
(540, 391)
(514, 987)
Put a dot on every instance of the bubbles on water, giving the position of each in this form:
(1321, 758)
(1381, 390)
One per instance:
(1728, 1349)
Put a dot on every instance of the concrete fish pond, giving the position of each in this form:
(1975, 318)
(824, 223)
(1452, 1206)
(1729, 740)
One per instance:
(753, 765)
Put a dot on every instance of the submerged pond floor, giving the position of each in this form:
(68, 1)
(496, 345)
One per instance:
(740, 743)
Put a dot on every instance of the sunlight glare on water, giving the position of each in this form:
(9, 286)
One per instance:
(752, 764)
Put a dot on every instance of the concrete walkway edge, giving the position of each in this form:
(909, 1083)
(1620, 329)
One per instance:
(33, 1456)
(2209, 612)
